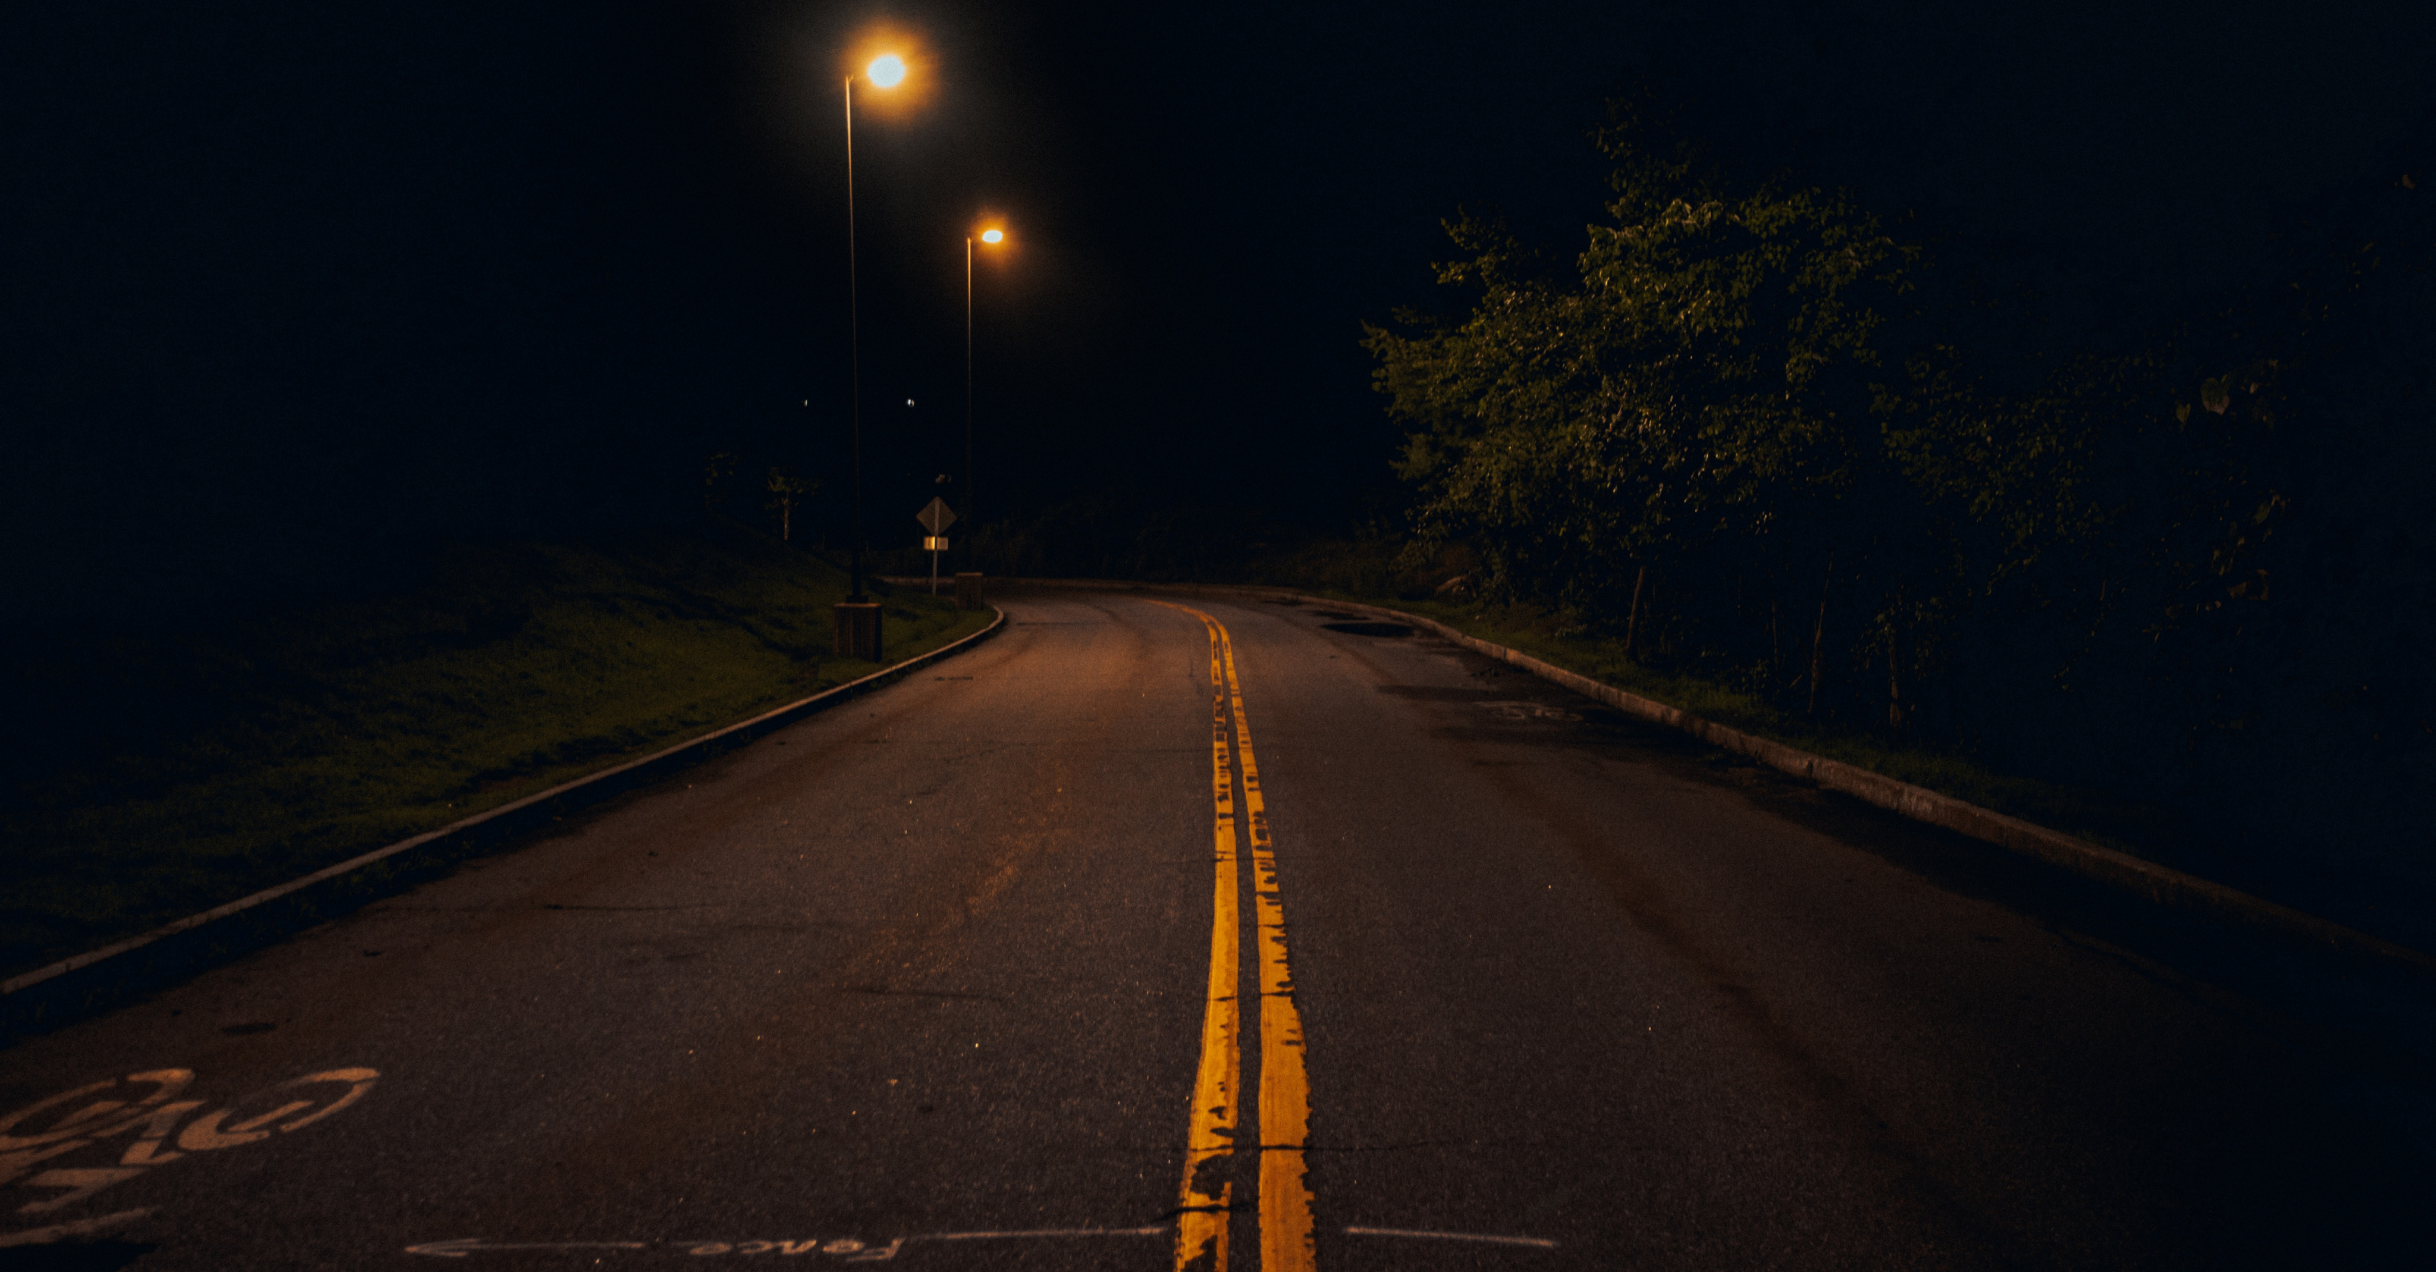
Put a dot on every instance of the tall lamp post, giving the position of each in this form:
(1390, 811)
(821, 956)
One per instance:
(858, 620)
(991, 236)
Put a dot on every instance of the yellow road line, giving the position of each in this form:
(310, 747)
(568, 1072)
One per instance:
(1201, 1226)
(1285, 1086)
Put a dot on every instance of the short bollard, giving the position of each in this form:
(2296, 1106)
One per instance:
(968, 589)
(858, 630)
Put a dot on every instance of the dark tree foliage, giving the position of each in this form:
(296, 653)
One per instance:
(1773, 437)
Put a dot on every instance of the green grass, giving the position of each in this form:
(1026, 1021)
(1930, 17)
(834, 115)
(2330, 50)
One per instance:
(233, 757)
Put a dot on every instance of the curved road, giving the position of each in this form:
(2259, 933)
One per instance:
(942, 978)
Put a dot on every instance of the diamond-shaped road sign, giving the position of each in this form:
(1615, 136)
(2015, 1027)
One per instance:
(936, 518)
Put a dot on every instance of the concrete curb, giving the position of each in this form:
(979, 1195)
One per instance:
(2146, 879)
(75, 987)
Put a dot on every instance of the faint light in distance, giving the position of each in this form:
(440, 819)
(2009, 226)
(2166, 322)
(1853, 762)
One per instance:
(886, 70)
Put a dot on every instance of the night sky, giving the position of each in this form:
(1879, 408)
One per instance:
(293, 285)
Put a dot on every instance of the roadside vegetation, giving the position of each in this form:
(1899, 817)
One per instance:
(205, 759)
(2386, 893)
(1759, 449)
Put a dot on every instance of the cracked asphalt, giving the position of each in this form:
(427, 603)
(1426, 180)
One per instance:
(921, 980)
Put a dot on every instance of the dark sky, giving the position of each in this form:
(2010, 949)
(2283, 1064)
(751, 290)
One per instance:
(291, 284)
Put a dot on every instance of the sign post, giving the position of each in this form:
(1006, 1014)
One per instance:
(935, 518)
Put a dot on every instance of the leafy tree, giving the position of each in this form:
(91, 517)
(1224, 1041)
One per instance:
(1708, 370)
(1758, 432)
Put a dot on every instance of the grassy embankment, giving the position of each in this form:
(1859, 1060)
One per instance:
(2078, 812)
(1372, 573)
(183, 768)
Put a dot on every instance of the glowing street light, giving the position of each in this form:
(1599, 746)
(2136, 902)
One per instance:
(858, 617)
(992, 236)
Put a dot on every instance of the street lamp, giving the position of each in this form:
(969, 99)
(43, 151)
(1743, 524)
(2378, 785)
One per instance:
(992, 236)
(858, 626)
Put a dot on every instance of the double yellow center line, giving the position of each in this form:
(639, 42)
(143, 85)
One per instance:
(1285, 1085)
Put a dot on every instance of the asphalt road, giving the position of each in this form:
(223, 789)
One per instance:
(928, 980)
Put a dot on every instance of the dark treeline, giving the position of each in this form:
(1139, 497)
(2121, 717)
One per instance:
(1772, 434)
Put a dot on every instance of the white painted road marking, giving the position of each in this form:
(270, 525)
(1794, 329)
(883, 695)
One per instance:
(1155, 1230)
(846, 1249)
(124, 1106)
(464, 1246)
(80, 1228)
(79, 1183)
(1538, 1242)
(95, 1120)
(853, 1250)
(849, 1250)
